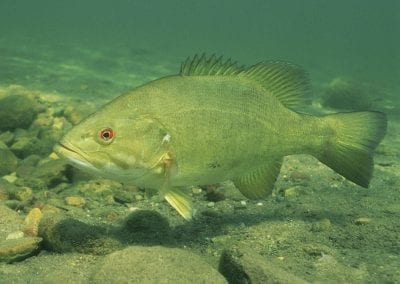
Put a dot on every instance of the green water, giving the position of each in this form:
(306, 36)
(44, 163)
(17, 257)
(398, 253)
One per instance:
(112, 42)
(93, 51)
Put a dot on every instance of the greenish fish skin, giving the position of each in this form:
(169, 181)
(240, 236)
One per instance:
(217, 121)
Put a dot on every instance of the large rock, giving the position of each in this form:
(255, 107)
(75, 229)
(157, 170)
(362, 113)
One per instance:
(18, 249)
(8, 161)
(14, 246)
(10, 221)
(17, 111)
(246, 266)
(156, 264)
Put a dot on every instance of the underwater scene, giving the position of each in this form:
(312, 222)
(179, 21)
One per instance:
(199, 141)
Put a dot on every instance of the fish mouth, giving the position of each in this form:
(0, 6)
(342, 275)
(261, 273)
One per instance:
(67, 151)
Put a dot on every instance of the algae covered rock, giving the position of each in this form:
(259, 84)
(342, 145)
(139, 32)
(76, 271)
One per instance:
(137, 264)
(64, 234)
(52, 172)
(247, 266)
(13, 245)
(17, 111)
(8, 161)
(10, 221)
(18, 249)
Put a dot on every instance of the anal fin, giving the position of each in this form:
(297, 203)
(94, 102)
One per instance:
(260, 182)
(180, 201)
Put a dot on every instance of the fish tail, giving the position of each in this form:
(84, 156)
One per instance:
(349, 150)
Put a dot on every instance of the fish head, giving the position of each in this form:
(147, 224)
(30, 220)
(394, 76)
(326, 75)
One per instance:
(126, 147)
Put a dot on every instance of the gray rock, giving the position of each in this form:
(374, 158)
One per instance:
(8, 161)
(156, 264)
(247, 266)
(17, 111)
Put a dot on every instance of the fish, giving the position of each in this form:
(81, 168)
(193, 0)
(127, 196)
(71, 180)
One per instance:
(217, 120)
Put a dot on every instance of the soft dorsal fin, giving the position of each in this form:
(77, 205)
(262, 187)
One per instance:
(288, 82)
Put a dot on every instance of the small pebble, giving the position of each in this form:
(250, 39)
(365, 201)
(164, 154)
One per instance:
(23, 193)
(11, 178)
(138, 197)
(197, 190)
(77, 201)
(32, 222)
(362, 221)
(15, 235)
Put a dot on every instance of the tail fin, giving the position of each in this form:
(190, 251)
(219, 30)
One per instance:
(349, 151)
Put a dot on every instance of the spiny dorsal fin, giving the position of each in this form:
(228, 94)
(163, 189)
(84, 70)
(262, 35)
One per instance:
(201, 65)
(288, 82)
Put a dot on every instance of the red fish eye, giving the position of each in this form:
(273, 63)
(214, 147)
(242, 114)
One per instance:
(107, 134)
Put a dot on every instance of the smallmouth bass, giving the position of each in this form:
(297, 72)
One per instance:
(218, 121)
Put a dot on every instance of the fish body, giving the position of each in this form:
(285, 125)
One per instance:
(217, 121)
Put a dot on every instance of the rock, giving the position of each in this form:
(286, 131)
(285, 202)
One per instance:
(30, 144)
(23, 194)
(10, 222)
(13, 248)
(52, 269)
(25, 146)
(3, 194)
(77, 201)
(321, 225)
(64, 234)
(18, 249)
(145, 227)
(27, 166)
(32, 222)
(156, 264)
(5, 189)
(8, 161)
(348, 94)
(7, 137)
(126, 194)
(362, 221)
(17, 111)
(294, 191)
(53, 172)
(247, 266)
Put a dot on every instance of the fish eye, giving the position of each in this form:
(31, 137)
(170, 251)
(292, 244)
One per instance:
(106, 134)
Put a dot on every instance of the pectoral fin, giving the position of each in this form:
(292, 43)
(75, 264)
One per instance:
(174, 195)
(180, 201)
(259, 183)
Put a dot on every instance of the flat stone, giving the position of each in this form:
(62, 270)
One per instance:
(12, 250)
(155, 264)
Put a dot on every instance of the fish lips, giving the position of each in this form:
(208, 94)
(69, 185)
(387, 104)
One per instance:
(66, 150)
